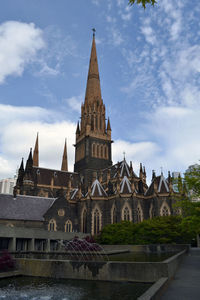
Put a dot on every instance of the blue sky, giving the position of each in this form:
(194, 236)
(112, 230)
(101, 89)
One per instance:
(149, 64)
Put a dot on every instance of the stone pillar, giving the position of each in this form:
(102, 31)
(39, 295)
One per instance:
(31, 245)
(48, 245)
(59, 246)
(12, 245)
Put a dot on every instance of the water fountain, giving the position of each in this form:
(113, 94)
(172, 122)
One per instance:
(85, 250)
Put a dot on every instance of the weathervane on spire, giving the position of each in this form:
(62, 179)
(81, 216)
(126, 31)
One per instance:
(94, 30)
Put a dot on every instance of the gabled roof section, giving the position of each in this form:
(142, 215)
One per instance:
(24, 207)
(124, 169)
(97, 190)
(163, 185)
(125, 186)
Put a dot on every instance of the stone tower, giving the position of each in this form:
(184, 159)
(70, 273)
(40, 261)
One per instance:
(93, 135)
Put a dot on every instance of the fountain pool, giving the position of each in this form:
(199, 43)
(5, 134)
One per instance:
(37, 288)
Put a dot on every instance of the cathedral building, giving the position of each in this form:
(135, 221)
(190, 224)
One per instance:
(97, 193)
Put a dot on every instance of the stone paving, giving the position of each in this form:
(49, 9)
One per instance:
(186, 282)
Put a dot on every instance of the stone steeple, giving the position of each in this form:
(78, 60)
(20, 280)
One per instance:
(64, 166)
(93, 89)
(36, 153)
(93, 138)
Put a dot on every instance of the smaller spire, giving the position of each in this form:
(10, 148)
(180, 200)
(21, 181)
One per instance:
(153, 175)
(36, 153)
(22, 165)
(77, 128)
(29, 162)
(108, 125)
(169, 176)
(64, 166)
(141, 171)
(144, 171)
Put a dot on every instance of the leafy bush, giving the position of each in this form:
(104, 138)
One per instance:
(159, 230)
(6, 262)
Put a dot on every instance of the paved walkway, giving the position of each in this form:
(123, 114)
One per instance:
(186, 283)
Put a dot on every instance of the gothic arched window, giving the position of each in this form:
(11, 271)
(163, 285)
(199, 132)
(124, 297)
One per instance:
(97, 150)
(126, 214)
(92, 122)
(96, 221)
(151, 212)
(102, 151)
(165, 211)
(139, 214)
(105, 151)
(93, 149)
(52, 225)
(68, 226)
(113, 215)
(84, 221)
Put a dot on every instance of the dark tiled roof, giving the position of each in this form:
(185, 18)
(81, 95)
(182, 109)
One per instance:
(44, 176)
(24, 207)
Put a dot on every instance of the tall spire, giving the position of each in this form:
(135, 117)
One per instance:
(64, 166)
(36, 154)
(93, 89)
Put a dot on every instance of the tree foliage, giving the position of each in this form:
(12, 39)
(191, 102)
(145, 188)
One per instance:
(159, 230)
(192, 179)
(143, 2)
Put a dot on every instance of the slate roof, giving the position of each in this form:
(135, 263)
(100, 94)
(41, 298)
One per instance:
(24, 207)
(44, 176)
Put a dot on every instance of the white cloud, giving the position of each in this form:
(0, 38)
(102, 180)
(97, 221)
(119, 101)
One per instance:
(95, 2)
(19, 43)
(116, 36)
(18, 134)
(149, 34)
(75, 103)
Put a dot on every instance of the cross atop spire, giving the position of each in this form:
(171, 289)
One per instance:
(94, 30)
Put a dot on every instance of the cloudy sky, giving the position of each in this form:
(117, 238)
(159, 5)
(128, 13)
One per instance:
(149, 64)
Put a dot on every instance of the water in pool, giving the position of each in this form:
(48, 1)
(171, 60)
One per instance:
(35, 288)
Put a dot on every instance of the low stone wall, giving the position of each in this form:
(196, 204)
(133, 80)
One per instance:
(148, 248)
(109, 271)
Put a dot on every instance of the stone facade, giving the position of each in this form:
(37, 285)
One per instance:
(97, 193)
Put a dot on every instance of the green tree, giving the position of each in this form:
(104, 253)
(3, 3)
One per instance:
(159, 230)
(143, 2)
(192, 179)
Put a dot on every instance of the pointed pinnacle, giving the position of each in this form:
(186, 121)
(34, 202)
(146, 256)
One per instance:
(77, 128)
(64, 166)
(108, 125)
(36, 153)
